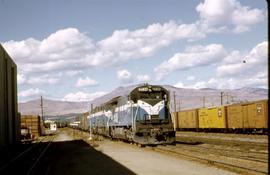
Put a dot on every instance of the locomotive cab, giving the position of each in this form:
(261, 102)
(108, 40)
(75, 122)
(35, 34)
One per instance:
(152, 121)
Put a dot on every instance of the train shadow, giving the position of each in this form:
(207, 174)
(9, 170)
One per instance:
(77, 157)
(62, 157)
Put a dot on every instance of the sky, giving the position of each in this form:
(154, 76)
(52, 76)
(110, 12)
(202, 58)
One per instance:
(78, 50)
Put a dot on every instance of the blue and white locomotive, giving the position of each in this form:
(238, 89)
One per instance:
(142, 116)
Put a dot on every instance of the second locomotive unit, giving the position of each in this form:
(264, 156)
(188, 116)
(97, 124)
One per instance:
(141, 116)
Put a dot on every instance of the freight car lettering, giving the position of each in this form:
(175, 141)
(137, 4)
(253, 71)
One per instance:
(219, 112)
(259, 109)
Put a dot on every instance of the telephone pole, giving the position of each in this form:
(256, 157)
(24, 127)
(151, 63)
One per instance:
(41, 105)
(227, 96)
(203, 101)
(221, 98)
(179, 105)
(232, 100)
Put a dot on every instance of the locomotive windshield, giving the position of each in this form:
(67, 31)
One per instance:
(152, 93)
(152, 104)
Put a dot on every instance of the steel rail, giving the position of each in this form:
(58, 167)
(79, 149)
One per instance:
(20, 155)
(40, 156)
(251, 158)
(211, 161)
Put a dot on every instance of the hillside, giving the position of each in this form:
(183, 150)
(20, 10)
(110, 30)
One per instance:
(185, 99)
(52, 107)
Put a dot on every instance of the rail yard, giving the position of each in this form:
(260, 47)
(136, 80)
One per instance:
(69, 151)
(135, 133)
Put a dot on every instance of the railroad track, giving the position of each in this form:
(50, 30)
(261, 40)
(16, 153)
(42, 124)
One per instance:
(25, 162)
(228, 156)
(231, 162)
(228, 151)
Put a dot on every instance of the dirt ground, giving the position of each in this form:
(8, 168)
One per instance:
(69, 154)
(145, 161)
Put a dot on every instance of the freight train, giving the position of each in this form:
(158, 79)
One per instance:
(251, 117)
(142, 116)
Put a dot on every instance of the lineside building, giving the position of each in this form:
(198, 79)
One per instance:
(9, 117)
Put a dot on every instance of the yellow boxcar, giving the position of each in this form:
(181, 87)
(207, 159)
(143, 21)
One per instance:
(248, 115)
(212, 117)
(235, 116)
(188, 119)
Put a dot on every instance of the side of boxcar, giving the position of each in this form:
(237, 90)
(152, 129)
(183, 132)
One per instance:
(243, 117)
(212, 118)
(248, 116)
(188, 119)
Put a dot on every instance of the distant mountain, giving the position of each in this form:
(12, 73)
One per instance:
(196, 98)
(52, 107)
(184, 99)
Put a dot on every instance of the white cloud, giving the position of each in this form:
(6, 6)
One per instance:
(124, 45)
(143, 78)
(221, 15)
(124, 76)
(62, 50)
(82, 96)
(197, 85)
(144, 42)
(82, 82)
(72, 73)
(21, 79)
(69, 49)
(194, 56)
(190, 78)
(245, 65)
(44, 79)
(179, 85)
(31, 93)
(233, 73)
(67, 42)
(259, 80)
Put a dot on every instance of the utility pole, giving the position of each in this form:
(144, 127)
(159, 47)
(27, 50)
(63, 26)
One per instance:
(227, 97)
(179, 105)
(221, 98)
(232, 100)
(41, 105)
(203, 101)
(91, 107)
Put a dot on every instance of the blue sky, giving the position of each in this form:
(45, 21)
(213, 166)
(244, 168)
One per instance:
(78, 50)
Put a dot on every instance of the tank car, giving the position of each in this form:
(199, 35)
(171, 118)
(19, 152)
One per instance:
(141, 116)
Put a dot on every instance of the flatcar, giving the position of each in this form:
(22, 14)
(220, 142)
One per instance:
(142, 116)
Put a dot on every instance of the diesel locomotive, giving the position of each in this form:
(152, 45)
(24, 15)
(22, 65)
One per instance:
(142, 116)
